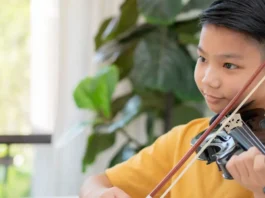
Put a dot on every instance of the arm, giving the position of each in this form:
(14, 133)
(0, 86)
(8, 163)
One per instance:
(100, 186)
(259, 195)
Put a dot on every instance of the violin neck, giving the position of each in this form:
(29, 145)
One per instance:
(246, 138)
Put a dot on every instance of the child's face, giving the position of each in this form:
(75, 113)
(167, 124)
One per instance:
(227, 60)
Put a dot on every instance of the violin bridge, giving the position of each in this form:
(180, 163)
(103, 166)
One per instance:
(235, 121)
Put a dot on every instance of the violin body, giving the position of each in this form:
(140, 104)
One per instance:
(234, 139)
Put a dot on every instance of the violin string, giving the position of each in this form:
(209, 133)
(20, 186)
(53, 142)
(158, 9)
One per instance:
(209, 142)
(256, 141)
(252, 138)
(256, 138)
(247, 137)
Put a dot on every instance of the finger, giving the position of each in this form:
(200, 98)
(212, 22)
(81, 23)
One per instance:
(232, 169)
(249, 162)
(254, 151)
(120, 193)
(259, 167)
(242, 167)
(108, 193)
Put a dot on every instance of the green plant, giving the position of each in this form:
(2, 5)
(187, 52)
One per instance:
(155, 57)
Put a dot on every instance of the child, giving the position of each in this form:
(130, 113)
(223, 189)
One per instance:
(231, 48)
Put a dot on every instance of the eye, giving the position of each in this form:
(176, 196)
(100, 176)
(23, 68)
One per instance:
(202, 59)
(230, 66)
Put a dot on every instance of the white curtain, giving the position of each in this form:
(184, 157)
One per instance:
(62, 51)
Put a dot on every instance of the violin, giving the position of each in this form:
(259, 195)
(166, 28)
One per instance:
(247, 129)
(230, 131)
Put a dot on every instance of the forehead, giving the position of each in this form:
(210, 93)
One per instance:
(218, 40)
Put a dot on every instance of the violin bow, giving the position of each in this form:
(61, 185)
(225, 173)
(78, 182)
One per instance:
(206, 133)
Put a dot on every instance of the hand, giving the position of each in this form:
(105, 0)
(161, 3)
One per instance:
(113, 192)
(248, 169)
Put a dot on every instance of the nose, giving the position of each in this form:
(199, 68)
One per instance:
(211, 77)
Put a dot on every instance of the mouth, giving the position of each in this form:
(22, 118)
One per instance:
(212, 99)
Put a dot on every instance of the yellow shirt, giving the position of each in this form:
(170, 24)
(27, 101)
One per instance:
(141, 173)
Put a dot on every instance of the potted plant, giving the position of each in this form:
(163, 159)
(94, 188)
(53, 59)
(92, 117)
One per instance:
(156, 57)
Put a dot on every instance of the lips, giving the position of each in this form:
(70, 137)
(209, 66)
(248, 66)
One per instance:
(215, 97)
(212, 99)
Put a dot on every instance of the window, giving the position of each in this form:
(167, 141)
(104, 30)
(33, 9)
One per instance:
(14, 96)
(14, 64)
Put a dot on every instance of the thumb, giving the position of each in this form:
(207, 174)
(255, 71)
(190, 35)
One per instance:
(254, 151)
(120, 193)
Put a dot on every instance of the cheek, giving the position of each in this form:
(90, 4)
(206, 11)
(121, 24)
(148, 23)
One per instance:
(230, 87)
(198, 75)
(234, 84)
(259, 94)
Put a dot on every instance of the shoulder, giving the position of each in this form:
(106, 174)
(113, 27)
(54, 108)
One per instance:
(194, 127)
(182, 134)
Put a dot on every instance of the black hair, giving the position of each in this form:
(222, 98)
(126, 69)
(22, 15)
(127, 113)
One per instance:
(245, 16)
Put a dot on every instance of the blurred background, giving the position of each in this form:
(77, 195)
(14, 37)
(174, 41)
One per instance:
(86, 84)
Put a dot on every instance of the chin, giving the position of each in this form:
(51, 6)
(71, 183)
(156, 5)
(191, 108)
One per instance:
(215, 108)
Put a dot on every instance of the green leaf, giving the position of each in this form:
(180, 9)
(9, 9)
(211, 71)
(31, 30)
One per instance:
(137, 33)
(115, 26)
(184, 113)
(125, 152)
(72, 133)
(82, 94)
(197, 5)
(186, 39)
(193, 9)
(97, 143)
(162, 12)
(119, 103)
(188, 27)
(150, 124)
(127, 19)
(130, 111)
(95, 93)
(152, 100)
(109, 53)
(125, 62)
(110, 75)
(100, 39)
(116, 49)
(161, 64)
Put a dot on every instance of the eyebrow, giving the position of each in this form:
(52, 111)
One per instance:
(228, 55)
